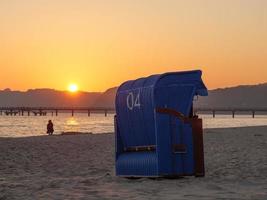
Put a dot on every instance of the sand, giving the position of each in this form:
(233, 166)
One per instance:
(82, 167)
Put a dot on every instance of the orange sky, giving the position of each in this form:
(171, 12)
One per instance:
(99, 44)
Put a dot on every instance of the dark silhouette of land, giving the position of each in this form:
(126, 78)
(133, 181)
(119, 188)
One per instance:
(47, 98)
(247, 96)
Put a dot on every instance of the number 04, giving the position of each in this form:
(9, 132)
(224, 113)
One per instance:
(133, 101)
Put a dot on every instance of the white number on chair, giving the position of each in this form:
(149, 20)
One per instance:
(133, 101)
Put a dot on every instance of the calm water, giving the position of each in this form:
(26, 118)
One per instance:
(21, 126)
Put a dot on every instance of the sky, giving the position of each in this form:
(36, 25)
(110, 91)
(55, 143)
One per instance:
(99, 44)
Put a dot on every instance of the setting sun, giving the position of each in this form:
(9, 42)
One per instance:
(73, 88)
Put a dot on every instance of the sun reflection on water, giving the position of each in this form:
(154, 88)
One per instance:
(72, 122)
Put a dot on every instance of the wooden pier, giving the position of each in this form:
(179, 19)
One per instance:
(231, 111)
(43, 111)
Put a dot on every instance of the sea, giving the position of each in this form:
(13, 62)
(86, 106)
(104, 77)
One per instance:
(25, 126)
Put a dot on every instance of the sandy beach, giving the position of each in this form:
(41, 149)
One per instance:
(82, 167)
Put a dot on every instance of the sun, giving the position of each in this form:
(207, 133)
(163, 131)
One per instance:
(73, 87)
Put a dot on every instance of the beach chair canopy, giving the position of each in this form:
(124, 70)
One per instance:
(136, 101)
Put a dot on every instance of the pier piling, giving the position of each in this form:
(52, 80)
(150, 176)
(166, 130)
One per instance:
(213, 113)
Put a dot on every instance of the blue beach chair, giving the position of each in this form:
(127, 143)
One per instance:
(156, 132)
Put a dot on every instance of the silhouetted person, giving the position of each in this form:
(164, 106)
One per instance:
(50, 127)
